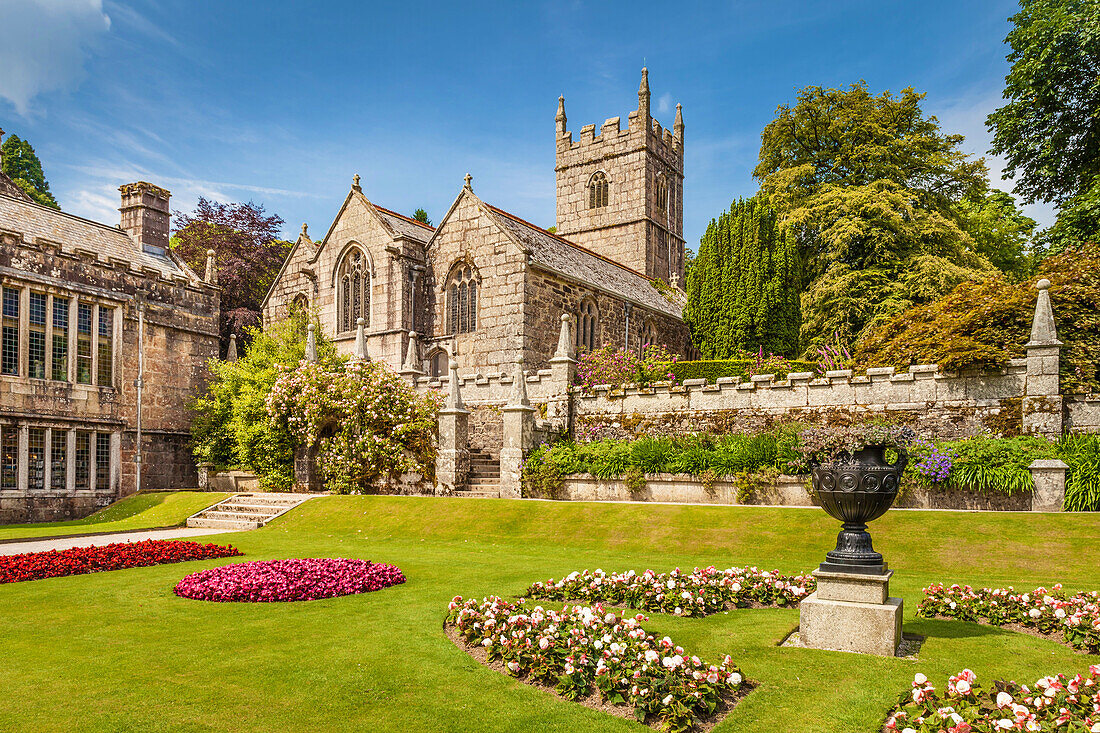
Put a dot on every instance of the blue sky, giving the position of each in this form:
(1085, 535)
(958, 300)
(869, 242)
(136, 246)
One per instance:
(282, 102)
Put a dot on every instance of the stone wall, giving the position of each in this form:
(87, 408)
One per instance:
(1083, 413)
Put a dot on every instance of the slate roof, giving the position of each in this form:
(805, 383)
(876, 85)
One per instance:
(561, 256)
(8, 187)
(34, 222)
(403, 226)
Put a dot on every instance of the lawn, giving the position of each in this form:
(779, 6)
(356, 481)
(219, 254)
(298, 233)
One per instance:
(141, 511)
(118, 651)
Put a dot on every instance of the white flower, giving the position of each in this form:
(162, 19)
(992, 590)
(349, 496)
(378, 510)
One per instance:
(919, 679)
(962, 686)
(1003, 699)
(734, 679)
(667, 700)
(651, 656)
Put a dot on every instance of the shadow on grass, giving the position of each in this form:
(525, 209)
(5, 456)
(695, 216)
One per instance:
(947, 629)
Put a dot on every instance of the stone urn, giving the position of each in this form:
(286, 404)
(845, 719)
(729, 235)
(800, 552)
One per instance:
(855, 490)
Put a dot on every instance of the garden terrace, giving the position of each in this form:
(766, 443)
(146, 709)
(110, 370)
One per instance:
(381, 661)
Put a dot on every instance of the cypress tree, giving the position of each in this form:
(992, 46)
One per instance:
(25, 169)
(743, 291)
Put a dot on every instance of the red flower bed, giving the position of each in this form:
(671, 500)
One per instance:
(80, 560)
(273, 581)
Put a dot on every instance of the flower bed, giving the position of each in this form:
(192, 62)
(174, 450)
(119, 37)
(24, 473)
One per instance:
(698, 593)
(1075, 619)
(1052, 703)
(589, 655)
(272, 581)
(81, 560)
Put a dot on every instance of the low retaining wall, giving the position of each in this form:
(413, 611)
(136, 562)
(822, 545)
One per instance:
(23, 507)
(785, 491)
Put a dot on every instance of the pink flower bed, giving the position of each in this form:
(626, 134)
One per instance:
(1056, 702)
(273, 581)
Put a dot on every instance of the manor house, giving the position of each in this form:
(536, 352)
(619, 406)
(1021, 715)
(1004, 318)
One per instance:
(75, 296)
(485, 286)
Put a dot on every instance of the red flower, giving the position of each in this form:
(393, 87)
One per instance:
(80, 560)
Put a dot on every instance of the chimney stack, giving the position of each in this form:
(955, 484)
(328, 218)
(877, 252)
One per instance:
(145, 215)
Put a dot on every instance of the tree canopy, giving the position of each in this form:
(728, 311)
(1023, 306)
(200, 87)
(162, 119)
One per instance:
(248, 253)
(22, 166)
(422, 216)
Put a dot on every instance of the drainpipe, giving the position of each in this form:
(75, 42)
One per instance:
(627, 307)
(139, 383)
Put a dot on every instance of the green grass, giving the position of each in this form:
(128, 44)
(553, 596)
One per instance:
(141, 511)
(118, 651)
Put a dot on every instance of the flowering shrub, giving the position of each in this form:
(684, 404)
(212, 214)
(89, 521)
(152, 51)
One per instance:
(833, 356)
(273, 581)
(618, 367)
(117, 556)
(1076, 618)
(932, 462)
(698, 593)
(368, 423)
(583, 647)
(839, 444)
(1052, 703)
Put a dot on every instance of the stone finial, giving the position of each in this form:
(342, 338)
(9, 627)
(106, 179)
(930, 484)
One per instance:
(469, 182)
(565, 339)
(560, 119)
(1, 141)
(311, 343)
(411, 366)
(355, 184)
(519, 387)
(674, 279)
(454, 393)
(678, 126)
(361, 339)
(643, 93)
(211, 268)
(305, 230)
(231, 352)
(1043, 330)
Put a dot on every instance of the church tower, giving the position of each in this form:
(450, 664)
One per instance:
(620, 194)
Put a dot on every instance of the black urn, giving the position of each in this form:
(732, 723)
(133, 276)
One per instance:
(857, 489)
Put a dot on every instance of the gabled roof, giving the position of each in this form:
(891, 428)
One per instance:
(560, 256)
(36, 222)
(404, 226)
(9, 188)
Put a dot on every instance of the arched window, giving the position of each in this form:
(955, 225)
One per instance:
(649, 336)
(597, 190)
(587, 325)
(438, 363)
(662, 193)
(462, 300)
(353, 290)
(300, 304)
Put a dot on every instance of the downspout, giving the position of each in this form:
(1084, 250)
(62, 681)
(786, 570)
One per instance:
(627, 308)
(139, 383)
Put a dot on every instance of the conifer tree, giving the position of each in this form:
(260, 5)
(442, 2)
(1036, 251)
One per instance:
(22, 166)
(743, 287)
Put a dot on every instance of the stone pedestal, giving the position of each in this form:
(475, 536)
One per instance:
(452, 461)
(1049, 477)
(852, 613)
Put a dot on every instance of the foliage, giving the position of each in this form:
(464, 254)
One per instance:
(1078, 222)
(583, 650)
(541, 477)
(1052, 702)
(997, 464)
(931, 462)
(1082, 454)
(713, 370)
(281, 581)
(230, 427)
(839, 444)
(833, 356)
(22, 166)
(742, 288)
(1049, 129)
(1001, 233)
(619, 367)
(634, 480)
(701, 592)
(1049, 611)
(368, 423)
(247, 251)
(422, 216)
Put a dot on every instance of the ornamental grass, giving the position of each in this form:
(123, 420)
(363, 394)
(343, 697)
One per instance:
(1049, 612)
(698, 593)
(1055, 702)
(116, 556)
(582, 650)
(276, 581)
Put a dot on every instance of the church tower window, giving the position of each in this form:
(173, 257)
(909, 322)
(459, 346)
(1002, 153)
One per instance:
(598, 190)
(662, 193)
(462, 300)
(353, 296)
(587, 320)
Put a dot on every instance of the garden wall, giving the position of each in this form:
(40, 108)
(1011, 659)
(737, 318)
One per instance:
(1083, 413)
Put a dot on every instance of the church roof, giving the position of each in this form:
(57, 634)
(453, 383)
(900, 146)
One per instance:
(37, 222)
(559, 255)
(8, 187)
(403, 226)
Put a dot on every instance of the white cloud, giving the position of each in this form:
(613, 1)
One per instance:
(43, 46)
(664, 104)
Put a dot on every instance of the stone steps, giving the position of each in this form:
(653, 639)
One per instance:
(246, 511)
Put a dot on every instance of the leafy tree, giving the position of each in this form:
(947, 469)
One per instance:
(1078, 221)
(742, 287)
(1001, 232)
(22, 166)
(871, 186)
(247, 251)
(422, 216)
(1049, 130)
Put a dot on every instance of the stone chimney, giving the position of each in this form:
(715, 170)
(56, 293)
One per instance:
(145, 215)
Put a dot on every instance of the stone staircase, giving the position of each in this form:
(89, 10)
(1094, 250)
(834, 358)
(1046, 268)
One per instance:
(484, 481)
(246, 511)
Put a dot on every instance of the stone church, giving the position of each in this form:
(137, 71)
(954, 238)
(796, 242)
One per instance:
(485, 286)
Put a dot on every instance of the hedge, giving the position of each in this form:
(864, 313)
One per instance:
(713, 370)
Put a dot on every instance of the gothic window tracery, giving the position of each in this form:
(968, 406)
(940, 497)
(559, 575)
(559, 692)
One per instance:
(598, 190)
(649, 336)
(353, 290)
(587, 325)
(662, 193)
(462, 300)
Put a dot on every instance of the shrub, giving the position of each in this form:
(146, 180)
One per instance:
(713, 370)
(1082, 454)
(116, 556)
(618, 367)
(997, 464)
(825, 444)
(273, 581)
